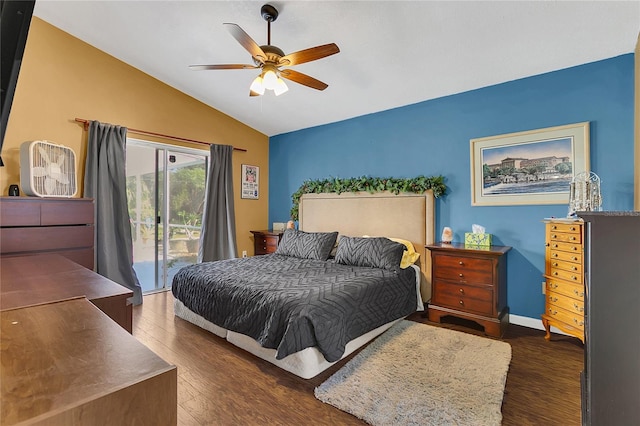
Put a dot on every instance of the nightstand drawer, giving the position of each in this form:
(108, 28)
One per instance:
(565, 237)
(463, 269)
(469, 298)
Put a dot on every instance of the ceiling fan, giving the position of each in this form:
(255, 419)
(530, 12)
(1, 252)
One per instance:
(270, 59)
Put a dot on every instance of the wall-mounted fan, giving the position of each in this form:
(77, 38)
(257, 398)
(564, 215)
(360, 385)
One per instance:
(47, 169)
(270, 59)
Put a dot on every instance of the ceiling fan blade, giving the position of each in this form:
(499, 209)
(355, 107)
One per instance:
(308, 55)
(246, 41)
(303, 79)
(223, 67)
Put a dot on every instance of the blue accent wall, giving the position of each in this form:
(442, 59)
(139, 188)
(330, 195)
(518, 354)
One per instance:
(432, 138)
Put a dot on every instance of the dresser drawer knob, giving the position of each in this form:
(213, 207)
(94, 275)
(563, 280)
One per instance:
(575, 268)
(553, 285)
(461, 262)
(573, 238)
(553, 299)
(461, 275)
(554, 227)
(579, 293)
(552, 312)
(461, 303)
(573, 228)
(555, 263)
(574, 278)
(554, 236)
(579, 323)
(575, 248)
(575, 259)
(555, 273)
(578, 308)
(461, 291)
(555, 246)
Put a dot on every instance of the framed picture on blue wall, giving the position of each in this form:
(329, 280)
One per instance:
(530, 167)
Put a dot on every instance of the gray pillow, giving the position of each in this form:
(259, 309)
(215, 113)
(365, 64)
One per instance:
(376, 252)
(307, 245)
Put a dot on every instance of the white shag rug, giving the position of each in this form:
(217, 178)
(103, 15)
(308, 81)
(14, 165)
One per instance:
(417, 374)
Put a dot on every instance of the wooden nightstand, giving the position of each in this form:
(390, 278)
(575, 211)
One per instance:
(471, 283)
(265, 242)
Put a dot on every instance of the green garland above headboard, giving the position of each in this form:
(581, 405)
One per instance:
(416, 185)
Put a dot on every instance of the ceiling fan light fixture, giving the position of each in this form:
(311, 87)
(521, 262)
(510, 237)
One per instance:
(270, 79)
(257, 86)
(280, 88)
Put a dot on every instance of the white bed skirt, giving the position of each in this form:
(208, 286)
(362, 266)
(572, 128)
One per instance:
(306, 363)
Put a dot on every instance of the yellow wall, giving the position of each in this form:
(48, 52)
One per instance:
(62, 78)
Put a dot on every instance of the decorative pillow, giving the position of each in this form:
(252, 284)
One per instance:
(410, 254)
(376, 252)
(306, 245)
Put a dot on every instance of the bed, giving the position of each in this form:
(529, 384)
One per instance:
(260, 313)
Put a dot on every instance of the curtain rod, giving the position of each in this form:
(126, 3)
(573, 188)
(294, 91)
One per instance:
(144, 132)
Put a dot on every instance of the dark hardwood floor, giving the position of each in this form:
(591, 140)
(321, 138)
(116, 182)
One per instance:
(219, 384)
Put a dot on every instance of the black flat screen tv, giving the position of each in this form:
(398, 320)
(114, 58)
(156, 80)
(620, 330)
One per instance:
(15, 19)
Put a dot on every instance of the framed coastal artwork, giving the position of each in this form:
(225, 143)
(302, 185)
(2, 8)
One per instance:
(250, 181)
(531, 167)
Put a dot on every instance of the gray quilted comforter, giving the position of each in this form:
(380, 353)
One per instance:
(290, 304)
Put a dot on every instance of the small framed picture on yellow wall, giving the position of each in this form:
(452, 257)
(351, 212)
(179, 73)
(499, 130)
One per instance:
(250, 181)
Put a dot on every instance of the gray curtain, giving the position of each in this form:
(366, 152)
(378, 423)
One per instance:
(218, 237)
(105, 182)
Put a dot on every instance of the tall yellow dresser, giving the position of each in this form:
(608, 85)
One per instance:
(564, 277)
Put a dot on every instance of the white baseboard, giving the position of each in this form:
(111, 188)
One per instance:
(531, 323)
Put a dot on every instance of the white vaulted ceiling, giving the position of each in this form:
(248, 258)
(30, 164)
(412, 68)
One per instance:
(393, 53)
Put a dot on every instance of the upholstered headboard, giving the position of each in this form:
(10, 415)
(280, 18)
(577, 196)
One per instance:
(407, 216)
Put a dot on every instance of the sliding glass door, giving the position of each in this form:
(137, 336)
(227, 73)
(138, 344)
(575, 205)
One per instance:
(165, 191)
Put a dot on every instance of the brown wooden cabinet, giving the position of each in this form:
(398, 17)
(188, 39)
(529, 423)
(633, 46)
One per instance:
(265, 242)
(31, 225)
(470, 283)
(564, 277)
(46, 278)
(66, 363)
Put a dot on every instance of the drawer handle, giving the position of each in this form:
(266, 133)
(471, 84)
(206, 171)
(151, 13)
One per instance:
(574, 278)
(578, 308)
(552, 312)
(461, 262)
(264, 248)
(461, 303)
(573, 238)
(554, 285)
(572, 228)
(554, 227)
(461, 291)
(461, 275)
(575, 268)
(575, 248)
(555, 254)
(579, 323)
(553, 299)
(554, 236)
(555, 263)
(555, 273)
(555, 246)
(578, 293)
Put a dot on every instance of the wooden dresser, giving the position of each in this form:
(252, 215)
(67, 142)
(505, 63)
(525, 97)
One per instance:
(470, 283)
(46, 278)
(265, 242)
(67, 363)
(564, 277)
(30, 225)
